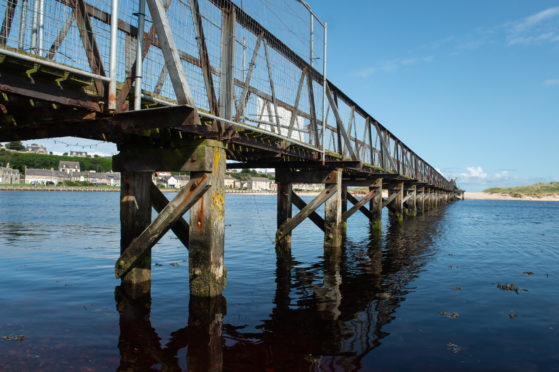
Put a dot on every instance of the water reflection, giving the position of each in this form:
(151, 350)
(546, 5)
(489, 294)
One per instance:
(327, 316)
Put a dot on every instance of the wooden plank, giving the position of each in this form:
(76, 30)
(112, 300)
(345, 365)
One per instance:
(89, 43)
(244, 94)
(292, 223)
(184, 200)
(314, 217)
(340, 123)
(274, 99)
(284, 213)
(389, 199)
(171, 54)
(204, 58)
(61, 36)
(363, 210)
(296, 107)
(7, 22)
(159, 202)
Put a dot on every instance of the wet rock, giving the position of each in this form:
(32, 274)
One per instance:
(174, 264)
(528, 273)
(512, 315)
(158, 264)
(385, 295)
(453, 347)
(13, 338)
(449, 315)
(507, 287)
(456, 288)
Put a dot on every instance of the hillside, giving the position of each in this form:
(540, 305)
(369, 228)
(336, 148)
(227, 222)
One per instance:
(539, 189)
(19, 160)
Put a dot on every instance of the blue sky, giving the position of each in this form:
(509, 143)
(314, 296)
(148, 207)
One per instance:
(471, 86)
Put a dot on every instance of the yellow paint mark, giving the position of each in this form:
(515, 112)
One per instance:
(215, 163)
(218, 203)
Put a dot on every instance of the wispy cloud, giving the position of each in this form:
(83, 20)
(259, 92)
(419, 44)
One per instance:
(551, 82)
(391, 65)
(536, 29)
(365, 73)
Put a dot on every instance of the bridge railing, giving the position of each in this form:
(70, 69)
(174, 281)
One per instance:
(273, 88)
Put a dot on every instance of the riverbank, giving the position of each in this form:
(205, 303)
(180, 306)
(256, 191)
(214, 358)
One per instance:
(496, 196)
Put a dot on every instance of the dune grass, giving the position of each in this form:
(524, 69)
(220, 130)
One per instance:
(537, 189)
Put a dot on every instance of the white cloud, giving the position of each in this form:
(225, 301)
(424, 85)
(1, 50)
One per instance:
(551, 82)
(503, 175)
(474, 172)
(365, 73)
(534, 40)
(536, 29)
(538, 18)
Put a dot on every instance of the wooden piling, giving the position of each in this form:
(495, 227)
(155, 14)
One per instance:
(207, 271)
(344, 207)
(284, 212)
(375, 206)
(135, 216)
(396, 206)
(411, 210)
(333, 214)
(420, 200)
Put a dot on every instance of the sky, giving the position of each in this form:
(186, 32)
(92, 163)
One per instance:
(471, 86)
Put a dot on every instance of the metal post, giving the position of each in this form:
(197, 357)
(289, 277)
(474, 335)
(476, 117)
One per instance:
(139, 50)
(112, 58)
(35, 27)
(41, 26)
(22, 24)
(311, 40)
(324, 94)
(244, 56)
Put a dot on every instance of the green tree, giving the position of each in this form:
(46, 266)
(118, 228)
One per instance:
(15, 145)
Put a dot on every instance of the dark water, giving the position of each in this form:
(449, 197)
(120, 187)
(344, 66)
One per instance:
(423, 296)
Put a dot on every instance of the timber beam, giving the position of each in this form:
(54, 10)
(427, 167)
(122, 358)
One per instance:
(292, 223)
(360, 204)
(280, 164)
(301, 204)
(159, 202)
(184, 200)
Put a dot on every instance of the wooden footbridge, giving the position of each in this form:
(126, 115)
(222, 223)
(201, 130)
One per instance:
(202, 88)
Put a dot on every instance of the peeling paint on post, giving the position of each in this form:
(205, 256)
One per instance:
(207, 272)
(135, 216)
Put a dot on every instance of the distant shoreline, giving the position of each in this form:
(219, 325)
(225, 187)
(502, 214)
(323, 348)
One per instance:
(507, 197)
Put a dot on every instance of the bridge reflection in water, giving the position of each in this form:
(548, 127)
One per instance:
(327, 316)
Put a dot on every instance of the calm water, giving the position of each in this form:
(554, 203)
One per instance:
(424, 296)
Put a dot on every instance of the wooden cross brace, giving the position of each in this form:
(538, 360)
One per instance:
(168, 217)
(306, 211)
(359, 205)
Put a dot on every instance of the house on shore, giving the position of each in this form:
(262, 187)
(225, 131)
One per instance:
(69, 166)
(36, 149)
(44, 176)
(9, 175)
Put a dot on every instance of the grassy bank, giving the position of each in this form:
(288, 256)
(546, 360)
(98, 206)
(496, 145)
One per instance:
(19, 160)
(539, 189)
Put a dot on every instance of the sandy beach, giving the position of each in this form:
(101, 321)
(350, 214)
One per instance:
(488, 196)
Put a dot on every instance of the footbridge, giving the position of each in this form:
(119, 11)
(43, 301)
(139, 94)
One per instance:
(201, 86)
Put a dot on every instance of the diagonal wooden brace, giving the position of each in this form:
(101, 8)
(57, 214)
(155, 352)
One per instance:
(363, 210)
(292, 223)
(159, 202)
(184, 200)
(314, 217)
(389, 199)
(359, 204)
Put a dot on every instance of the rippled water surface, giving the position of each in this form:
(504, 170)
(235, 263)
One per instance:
(472, 285)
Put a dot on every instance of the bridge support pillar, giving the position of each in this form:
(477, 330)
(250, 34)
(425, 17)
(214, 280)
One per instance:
(333, 216)
(207, 273)
(284, 212)
(344, 208)
(396, 206)
(411, 202)
(420, 200)
(375, 206)
(135, 216)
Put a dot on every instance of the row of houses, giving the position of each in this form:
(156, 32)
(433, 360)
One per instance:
(53, 177)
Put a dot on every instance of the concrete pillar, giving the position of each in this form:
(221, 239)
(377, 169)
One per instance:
(284, 212)
(207, 271)
(375, 206)
(333, 215)
(396, 210)
(135, 216)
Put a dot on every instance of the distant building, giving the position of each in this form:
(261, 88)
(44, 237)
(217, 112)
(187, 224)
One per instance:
(229, 182)
(36, 149)
(44, 176)
(80, 154)
(181, 181)
(68, 166)
(259, 184)
(9, 175)
(97, 178)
